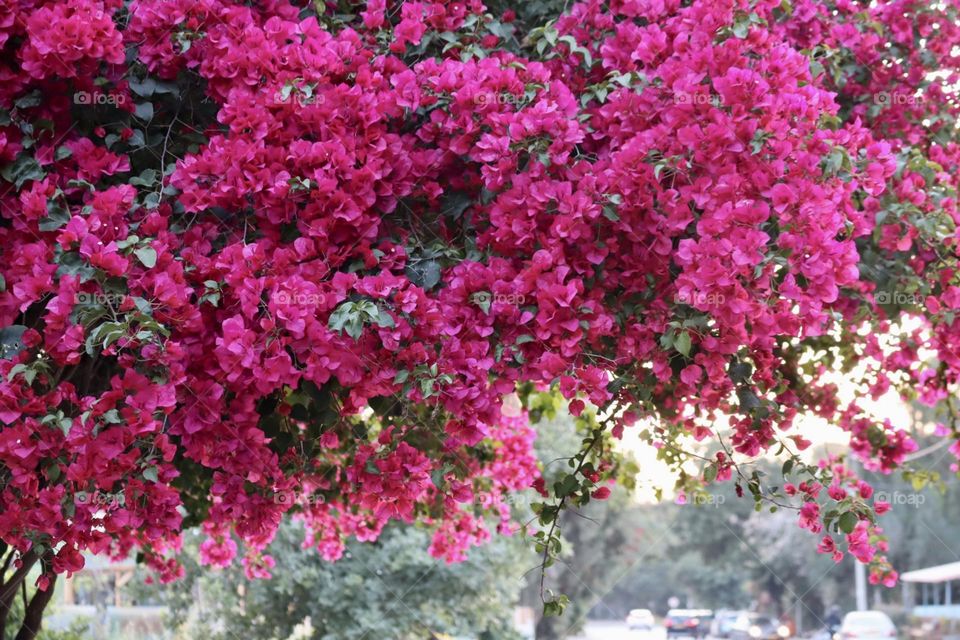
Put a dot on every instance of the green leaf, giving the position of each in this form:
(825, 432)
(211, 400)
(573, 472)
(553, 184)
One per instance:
(144, 111)
(424, 274)
(137, 140)
(682, 344)
(145, 88)
(349, 317)
(740, 371)
(567, 486)
(143, 305)
(787, 467)
(147, 256)
(748, 399)
(482, 299)
(848, 522)
(454, 203)
(556, 606)
(16, 370)
(151, 474)
(710, 473)
(57, 216)
(147, 178)
(32, 99)
(22, 169)
(385, 320)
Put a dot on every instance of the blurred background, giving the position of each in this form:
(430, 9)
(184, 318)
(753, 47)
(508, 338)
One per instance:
(634, 568)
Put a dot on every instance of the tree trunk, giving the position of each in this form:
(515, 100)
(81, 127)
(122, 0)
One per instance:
(33, 611)
(8, 588)
(33, 616)
(547, 629)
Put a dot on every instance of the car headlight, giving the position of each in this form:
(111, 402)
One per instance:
(783, 631)
(755, 632)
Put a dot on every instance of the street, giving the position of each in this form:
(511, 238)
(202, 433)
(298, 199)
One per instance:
(613, 630)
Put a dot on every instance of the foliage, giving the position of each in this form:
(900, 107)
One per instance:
(387, 589)
(279, 258)
(719, 553)
(76, 631)
(598, 531)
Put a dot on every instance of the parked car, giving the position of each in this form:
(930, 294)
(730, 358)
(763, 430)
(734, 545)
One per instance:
(688, 622)
(640, 619)
(867, 625)
(753, 626)
(723, 624)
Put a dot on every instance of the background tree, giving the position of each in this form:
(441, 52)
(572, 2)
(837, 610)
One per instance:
(391, 588)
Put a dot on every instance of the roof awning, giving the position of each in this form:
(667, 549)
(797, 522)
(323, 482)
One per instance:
(940, 573)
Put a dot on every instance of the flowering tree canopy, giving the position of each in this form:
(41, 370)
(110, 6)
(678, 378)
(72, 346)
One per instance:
(279, 258)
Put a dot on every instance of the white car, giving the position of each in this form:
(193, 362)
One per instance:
(640, 619)
(867, 625)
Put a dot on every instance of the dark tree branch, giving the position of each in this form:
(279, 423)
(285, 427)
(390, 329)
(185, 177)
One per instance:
(6, 563)
(33, 617)
(8, 589)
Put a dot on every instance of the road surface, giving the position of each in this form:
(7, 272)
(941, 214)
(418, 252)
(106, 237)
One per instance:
(618, 631)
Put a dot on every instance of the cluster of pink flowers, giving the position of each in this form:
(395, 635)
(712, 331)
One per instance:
(278, 261)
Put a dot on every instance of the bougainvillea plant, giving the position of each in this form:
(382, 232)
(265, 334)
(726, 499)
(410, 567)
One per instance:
(278, 258)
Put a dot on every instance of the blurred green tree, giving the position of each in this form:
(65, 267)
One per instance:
(388, 589)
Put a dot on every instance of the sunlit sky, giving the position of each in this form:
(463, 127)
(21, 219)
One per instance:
(656, 474)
